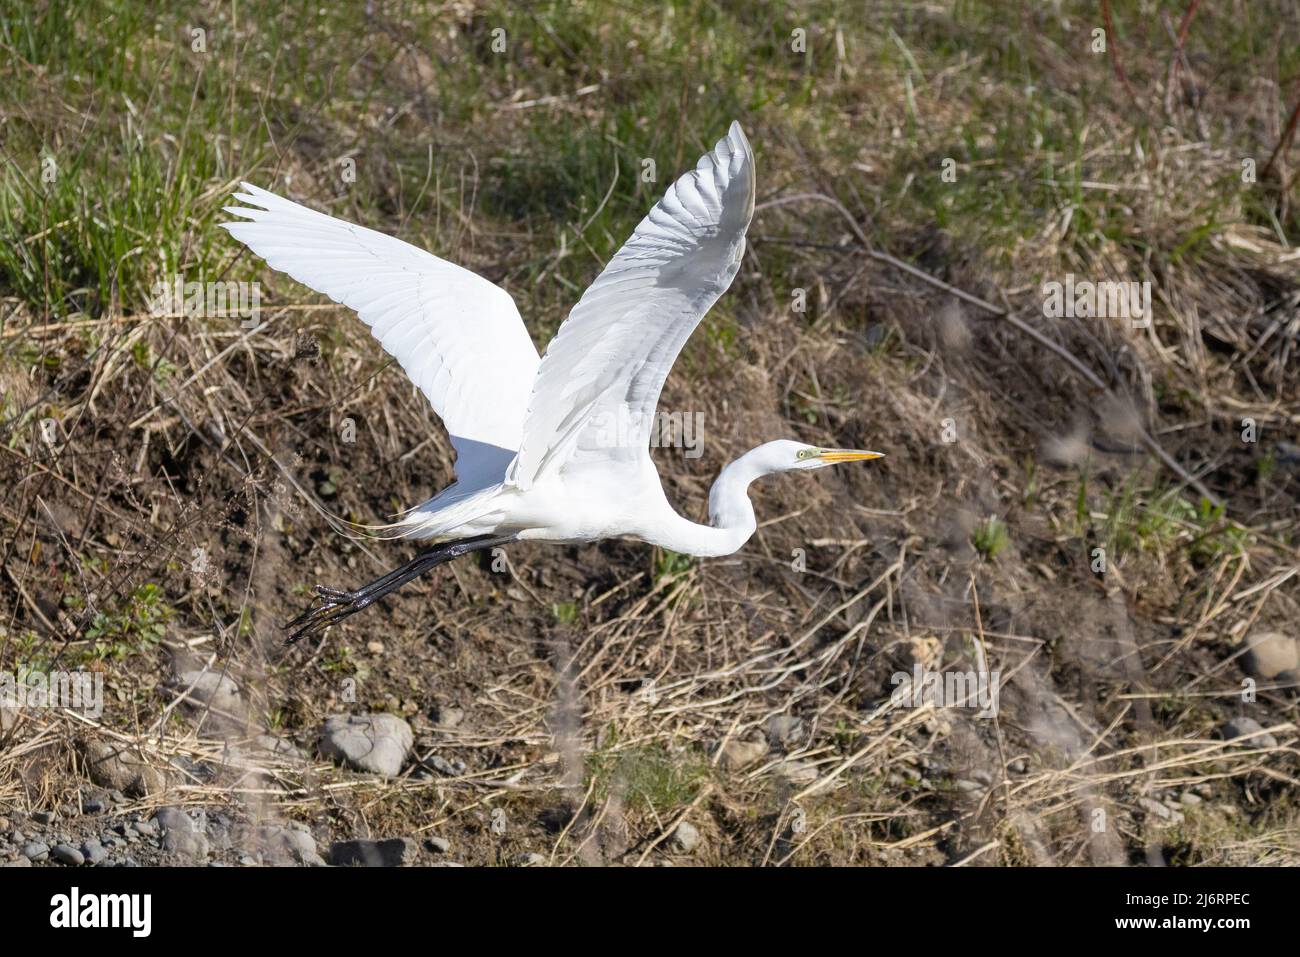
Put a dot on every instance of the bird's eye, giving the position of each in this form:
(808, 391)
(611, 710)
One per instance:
(804, 453)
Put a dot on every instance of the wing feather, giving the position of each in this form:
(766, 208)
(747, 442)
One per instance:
(459, 338)
(600, 379)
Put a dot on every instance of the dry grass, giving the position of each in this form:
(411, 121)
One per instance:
(606, 689)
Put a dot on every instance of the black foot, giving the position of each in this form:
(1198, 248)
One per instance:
(330, 606)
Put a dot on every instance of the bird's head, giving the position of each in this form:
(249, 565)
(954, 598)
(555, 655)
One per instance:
(787, 455)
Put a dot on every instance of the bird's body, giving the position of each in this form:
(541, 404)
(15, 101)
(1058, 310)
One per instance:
(552, 448)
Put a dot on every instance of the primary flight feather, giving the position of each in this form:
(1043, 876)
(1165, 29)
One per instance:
(553, 449)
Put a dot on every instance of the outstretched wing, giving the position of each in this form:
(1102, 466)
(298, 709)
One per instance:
(459, 337)
(600, 379)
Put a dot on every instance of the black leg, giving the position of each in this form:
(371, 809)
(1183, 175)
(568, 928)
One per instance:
(332, 605)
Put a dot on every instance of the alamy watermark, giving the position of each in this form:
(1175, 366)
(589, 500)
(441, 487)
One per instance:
(667, 430)
(75, 690)
(947, 689)
(1087, 299)
(213, 300)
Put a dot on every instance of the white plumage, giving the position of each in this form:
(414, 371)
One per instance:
(557, 449)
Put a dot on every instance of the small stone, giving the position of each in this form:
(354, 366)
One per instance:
(440, 764)
(67, 854)
(1161, 811)
(395, 852)
(450, 716)
(375, 647)
(121, 769)
(439, 845)
(286, 845)
(1270, 653)
(967, 787)
(36, 851)
(1288, 453)
(531, 859)
(798, 773)
(686, 837)
(94, 852)
(144, 829)
(377, 743)
(1188, 799)
(784, 731)
(208, 689)
(1017, 765)
(180, 834)
(20, 862)
(738, 754)
(92, 806)
(1250, 731)
(43, 817)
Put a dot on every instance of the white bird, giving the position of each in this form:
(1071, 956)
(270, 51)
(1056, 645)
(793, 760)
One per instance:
(551, 449)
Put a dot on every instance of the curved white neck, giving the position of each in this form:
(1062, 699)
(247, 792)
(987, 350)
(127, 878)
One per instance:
(730, 513)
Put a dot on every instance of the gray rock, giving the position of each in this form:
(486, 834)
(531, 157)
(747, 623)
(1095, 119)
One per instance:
(180, 834)
(377, 743)
(685, 837)
(1160, 810)
(968, 787)
(531, 859)
(286, 845)
(1288, 453)
(1017, 765)
(738, 754)
(115, 766)
(395, 852)
(36, 851)
(1270, 653)
(1188, 799)
(94, 852)
(440, 764)
(439, 845)
(450, 717)
(784, 731)
(1250, 730)
(43, 817)
(67, 854)
(797, 773)
(208, 689)
(20, 862)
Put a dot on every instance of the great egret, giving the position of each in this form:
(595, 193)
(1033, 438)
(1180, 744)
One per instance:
(551, 449)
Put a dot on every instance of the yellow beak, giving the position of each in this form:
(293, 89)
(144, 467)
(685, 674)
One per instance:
(835, 456)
